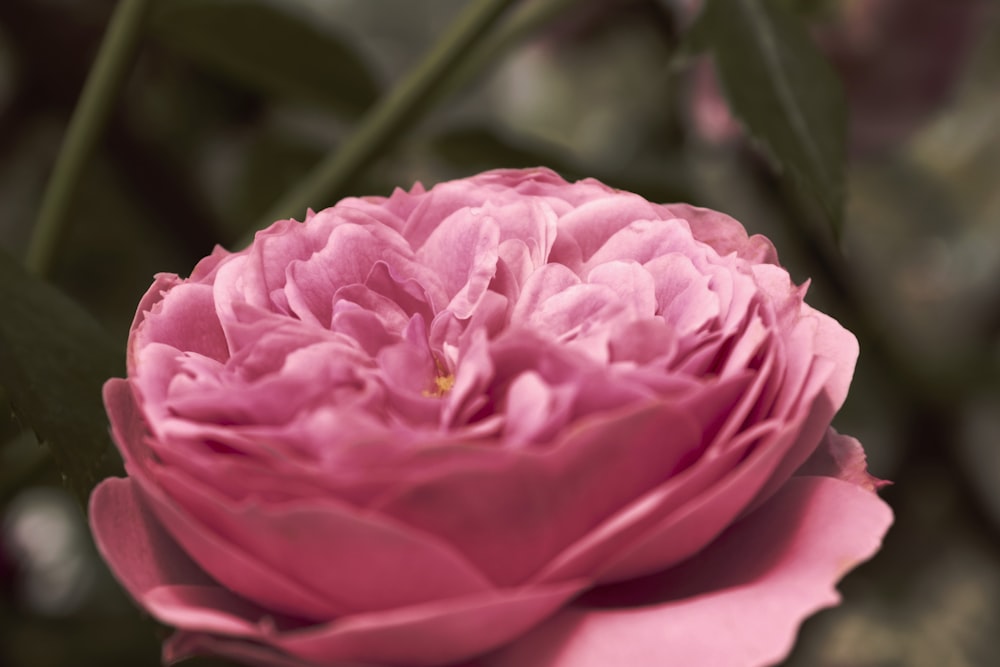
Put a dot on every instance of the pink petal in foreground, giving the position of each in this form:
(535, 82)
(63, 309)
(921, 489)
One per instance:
(153, 569)
(150, 565)
(438, 634)
(737, 604)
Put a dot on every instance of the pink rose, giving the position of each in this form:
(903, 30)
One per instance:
(511, 419)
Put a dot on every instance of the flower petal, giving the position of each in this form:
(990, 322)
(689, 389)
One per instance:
(154, 570)
(723, 233)
(543, 501)
(841, 456)
(184, 318)
(758, 581)
(439, 633)
(354, 560)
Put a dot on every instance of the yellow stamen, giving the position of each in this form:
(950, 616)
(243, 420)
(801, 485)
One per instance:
(442, 385)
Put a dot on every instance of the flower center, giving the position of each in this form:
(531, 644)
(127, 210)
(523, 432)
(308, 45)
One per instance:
(442, 385)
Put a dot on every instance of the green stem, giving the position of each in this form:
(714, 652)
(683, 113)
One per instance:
(113, 60)
(401, 107)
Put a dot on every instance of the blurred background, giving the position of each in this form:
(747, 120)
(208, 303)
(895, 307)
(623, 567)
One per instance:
(211, 131)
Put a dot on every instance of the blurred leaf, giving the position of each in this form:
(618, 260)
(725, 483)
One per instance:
(479, 148)
(22, 462)
(271, 165)
(271, 48)
(785, 92)
(54, 358)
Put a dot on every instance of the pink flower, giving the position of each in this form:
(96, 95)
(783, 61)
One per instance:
(511, 419)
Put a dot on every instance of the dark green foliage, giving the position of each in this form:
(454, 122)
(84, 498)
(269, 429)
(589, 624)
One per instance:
(783, 90)
(54, 358)
(268, 47)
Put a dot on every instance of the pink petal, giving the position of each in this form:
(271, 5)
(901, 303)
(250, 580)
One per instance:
(669, 523)
(585, 229)
(377, 209)
(267, 587)
(435, 634)
(347, 259)
(632, 284)
(841, 456)
(543, 284)
(723, 233)
(540, 408)
(322, 545)
(443, 200)
(683, 296)
(644, 239)
(753, 462)
(530, 222)
(463, 249)
(441, 633)
(738, 604)
(160, 576)
(546, 500)
(230, 566)
(204, 271)
(307, 377)
(162, 283)
(372, 328)
(576, 311)
(155, 571)
(836, 351)
(185, 319)
(408, 294)
(643, 342)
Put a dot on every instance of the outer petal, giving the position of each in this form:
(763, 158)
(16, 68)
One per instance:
(753, 586)
(355, 561)
(154, 570)
(186, 319)
(266, 586)
(436, 634)
(704, 516)
(519, 509)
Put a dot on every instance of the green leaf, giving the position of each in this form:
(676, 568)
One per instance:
(270, 48)
(272, 165)
(784, 91)
(54, 358)
(477, 148)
